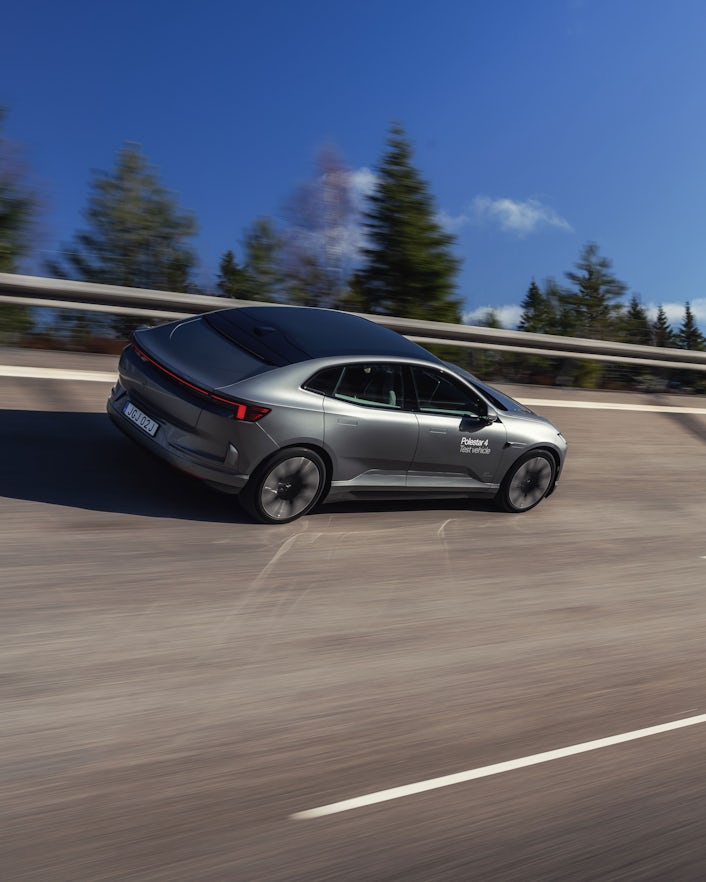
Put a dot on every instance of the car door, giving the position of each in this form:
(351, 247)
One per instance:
(458, 447)
(368, 431)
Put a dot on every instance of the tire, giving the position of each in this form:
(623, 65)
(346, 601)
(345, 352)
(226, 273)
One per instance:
(527, 482)
(285, 487)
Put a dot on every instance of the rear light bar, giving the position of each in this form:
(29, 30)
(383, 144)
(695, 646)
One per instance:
(249, 413)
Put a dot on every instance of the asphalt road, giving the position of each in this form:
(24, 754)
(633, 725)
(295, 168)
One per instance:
(177, 682)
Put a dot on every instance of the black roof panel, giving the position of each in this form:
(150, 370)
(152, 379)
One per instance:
(288, 334)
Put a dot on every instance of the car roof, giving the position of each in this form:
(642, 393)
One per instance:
(287, 334)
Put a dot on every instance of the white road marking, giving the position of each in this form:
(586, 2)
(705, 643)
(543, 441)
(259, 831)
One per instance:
(36, 373)
(611, 405)
(496, 769)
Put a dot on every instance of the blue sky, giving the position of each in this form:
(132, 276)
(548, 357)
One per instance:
(539, 126)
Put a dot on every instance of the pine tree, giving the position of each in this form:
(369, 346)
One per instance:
(485, 363)
(689, 336)
(594, 303)
(408, 269)
(636, 324)
(538, 312)
(232, 279)
(540, 315)
(662, 333)
(263, 260)
(136, 235)
(18, 208)
(260, 276)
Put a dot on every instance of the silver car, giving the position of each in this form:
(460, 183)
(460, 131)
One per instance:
(291, 406)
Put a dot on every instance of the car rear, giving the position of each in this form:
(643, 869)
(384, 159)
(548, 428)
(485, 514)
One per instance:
(170, 399)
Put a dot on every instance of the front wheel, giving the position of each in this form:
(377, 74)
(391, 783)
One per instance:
(286, 487)
(527, 482)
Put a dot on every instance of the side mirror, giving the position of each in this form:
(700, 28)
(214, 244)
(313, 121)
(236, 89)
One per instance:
(473, 423)
(491, 416)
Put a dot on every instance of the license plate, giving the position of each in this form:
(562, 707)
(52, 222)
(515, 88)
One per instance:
(135, 415)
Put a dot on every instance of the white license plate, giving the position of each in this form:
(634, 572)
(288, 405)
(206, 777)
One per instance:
(140, 419)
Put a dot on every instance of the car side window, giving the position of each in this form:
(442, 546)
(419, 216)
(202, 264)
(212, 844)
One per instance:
(324, 382)
(372, 385)
(439, 393)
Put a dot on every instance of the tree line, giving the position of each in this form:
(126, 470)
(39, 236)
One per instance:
(389, 257)
(594, 306)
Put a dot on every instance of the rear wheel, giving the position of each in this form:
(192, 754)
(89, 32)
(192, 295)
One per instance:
(286, 487)
(527, 482)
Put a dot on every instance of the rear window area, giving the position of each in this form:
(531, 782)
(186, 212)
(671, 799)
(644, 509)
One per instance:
(195, 351)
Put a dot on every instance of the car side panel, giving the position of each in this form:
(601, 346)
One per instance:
(456, 453)
(371, 447)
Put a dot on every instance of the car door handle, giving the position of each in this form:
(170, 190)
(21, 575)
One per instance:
(347, 422)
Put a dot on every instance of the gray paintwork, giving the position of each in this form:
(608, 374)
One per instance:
(404, 445)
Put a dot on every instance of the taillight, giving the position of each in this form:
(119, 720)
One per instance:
(249, 413)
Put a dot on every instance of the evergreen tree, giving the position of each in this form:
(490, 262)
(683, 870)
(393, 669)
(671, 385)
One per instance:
(232, 279)
(567, 322)
(636, 326)
(689, 336)
(483, 362)
(136, 235)
(662, 333)
(633, 327)
(538, 312)
(18, 207)
(540, 315)
(408, 269)
(260, 276)
(263, 261)
(594, 302)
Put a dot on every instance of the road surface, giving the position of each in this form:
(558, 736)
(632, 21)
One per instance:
(184, 693)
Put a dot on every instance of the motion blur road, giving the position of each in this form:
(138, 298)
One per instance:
(178, 682)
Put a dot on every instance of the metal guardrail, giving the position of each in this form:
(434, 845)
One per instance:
(63, 294)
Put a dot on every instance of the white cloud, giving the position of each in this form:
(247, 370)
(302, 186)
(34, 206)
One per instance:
(452, 223)
(508, 316)
(510, 215)
(362, 182)
(513, 216)
(675, 311)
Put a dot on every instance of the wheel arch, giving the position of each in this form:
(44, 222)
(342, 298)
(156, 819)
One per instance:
(545, 448)
(306, 445)
(502, 498)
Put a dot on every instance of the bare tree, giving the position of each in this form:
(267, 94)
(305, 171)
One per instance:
(321, 239)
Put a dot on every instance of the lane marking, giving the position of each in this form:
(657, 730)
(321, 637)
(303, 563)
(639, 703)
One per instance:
(35, 373)
(611, 405)
(496, 769)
